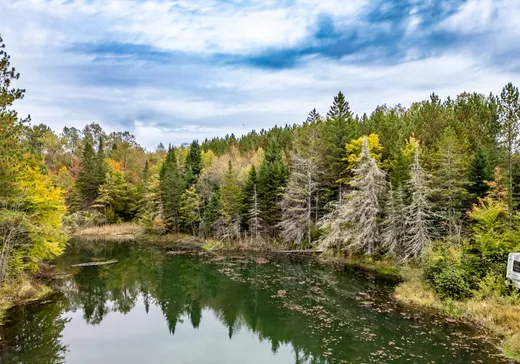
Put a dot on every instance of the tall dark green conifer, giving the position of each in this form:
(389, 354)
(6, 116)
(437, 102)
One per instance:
(172, 188)
(480, 171)
(88, 181)
(313, 117)
(272, 177)
(338, 130)
(193, 163)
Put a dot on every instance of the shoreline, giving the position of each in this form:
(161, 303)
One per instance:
(498, 318)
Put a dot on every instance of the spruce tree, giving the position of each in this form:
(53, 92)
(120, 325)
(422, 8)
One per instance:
(417, 217)
(480, 171)
(393, 229)
(314, 117)
(172, 187)
(298, 201)
(193, 162)
(356, 220)
(272, 177)
(338, 130)
(88, 182)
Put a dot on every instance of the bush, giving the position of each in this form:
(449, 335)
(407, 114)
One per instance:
(445, 273)
(451, 282)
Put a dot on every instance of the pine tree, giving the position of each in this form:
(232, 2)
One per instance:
(314, 117)
(193, 162)
(338, 130)
(358, 216)
(509, 119)
(417, 218)
(298, 202)
(87, 181)
(172, 187)
(272, 178)
(480, 171)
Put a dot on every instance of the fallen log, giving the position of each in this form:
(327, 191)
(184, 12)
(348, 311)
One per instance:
(90, 264)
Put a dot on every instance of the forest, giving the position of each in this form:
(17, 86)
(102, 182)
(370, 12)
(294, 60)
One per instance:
(435, 184)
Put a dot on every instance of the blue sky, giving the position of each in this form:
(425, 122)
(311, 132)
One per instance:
(177, 70)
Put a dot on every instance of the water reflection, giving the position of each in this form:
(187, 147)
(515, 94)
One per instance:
(156, 307)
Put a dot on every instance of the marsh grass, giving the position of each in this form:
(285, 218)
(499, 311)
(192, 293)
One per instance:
(499, 316)
(124, 231)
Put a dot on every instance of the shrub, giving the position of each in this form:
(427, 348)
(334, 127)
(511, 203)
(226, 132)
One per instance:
(451, 282)
(445, 273)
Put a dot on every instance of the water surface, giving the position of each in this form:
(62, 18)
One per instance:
(158, 307)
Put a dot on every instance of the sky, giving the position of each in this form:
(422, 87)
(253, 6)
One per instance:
(176, 70)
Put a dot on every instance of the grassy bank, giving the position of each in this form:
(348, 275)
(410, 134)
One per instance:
(498, 316)
(24, 292)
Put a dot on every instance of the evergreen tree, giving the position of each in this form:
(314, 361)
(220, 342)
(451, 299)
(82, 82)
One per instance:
(314, 117)
(480, 171)
(193, 162)
(340, 109)
(417, 219)
(211, 212)
(88, 182)
(231, 204)
(450, 181)
(189, 209)
(360, 212)
(337, 131)
(172, 187)
(298, 202)
(393, 229)
(509, 118)
(272, 178)
(248, 193)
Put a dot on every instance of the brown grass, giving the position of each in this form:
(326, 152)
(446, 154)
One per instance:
(499, 316)
(124, 231)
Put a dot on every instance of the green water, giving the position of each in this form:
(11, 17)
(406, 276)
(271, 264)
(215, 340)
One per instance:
(154, 307)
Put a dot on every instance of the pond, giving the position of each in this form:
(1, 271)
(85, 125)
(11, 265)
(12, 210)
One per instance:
(156, 306)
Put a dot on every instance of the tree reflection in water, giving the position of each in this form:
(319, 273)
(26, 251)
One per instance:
(321, 314)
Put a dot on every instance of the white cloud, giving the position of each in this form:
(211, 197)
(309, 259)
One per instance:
(179, 102)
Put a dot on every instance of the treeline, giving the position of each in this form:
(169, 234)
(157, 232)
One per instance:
(389, 183)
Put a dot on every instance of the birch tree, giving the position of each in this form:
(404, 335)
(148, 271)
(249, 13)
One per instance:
(417, 217)
(298, 201)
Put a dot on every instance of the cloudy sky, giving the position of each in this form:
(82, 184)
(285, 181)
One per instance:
(176, 70)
